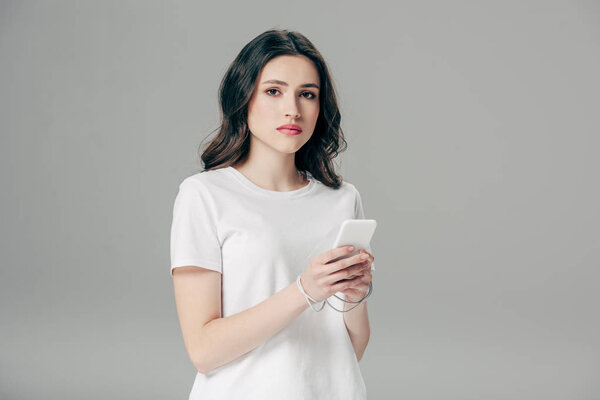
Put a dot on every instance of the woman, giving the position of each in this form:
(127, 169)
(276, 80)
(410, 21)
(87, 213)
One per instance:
(251, 237)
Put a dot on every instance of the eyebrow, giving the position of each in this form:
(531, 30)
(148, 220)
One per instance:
(282, 83)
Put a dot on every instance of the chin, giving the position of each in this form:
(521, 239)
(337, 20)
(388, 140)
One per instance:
(289, 147)
(289, 150)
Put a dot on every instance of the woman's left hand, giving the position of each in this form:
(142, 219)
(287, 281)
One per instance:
(358, 291)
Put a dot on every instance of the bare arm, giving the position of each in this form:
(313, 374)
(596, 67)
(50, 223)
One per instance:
(212, 341)
(357, 320)
(357, 324)
(225, 339)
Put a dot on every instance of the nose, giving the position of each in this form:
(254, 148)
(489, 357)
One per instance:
(293, 110)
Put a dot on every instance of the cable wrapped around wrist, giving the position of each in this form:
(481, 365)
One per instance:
(309, 299)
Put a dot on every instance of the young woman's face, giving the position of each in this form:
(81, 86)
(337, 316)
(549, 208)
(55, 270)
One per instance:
(287, 92)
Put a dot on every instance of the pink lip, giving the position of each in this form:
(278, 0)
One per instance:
(289, 131)
(290, 127)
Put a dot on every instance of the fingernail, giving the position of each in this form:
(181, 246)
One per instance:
(350, 248)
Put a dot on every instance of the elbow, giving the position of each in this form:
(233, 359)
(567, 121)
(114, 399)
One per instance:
(200, 366)
(199, 360)
(202, 359)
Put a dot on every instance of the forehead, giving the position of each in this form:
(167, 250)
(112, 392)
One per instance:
(295, 70)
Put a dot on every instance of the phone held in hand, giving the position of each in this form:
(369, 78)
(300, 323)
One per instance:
(357, 233)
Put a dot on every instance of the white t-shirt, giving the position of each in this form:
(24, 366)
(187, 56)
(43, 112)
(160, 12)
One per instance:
(260, 240)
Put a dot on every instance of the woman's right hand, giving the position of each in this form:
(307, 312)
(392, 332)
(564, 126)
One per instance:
(321, 279)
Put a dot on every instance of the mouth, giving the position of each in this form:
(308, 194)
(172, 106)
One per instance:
(290, 129)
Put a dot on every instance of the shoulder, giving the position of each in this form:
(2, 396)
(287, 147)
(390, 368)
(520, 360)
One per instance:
(348, 187)
(203, 180)
(352, 192)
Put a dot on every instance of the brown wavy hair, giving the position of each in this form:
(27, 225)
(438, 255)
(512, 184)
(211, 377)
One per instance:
(232, 143)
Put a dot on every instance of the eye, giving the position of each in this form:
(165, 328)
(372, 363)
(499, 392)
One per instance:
(311, 94)
(268, 90)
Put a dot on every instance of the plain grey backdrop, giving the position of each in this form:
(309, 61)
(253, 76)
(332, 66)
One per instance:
(473, 137)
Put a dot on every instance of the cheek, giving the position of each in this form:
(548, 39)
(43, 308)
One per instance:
(261, 112)
(312, 112)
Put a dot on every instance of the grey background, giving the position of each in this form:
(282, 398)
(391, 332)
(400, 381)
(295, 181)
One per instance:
(473, 138)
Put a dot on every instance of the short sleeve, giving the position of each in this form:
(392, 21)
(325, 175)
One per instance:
(359, 213)
(194, 238)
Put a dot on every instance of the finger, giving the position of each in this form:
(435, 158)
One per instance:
(365, 278)
(364, 268)
(345, 263)
(334, 254)
(369, 260)
(372, 257)
(360, 287)
(348, 273)
(344, 284)
(359, 272)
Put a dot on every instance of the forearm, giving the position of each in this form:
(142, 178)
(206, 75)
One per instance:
(357, 324)
(225, 339)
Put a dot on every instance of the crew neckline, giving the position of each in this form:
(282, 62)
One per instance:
(272, 193)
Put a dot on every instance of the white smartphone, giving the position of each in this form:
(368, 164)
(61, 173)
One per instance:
(357, 233)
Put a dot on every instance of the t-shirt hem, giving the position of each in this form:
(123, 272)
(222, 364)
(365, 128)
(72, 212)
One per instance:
(202, 264)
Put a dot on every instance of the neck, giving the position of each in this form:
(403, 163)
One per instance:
(279, 179)
(271, 169)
